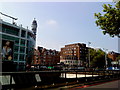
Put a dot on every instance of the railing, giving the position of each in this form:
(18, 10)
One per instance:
(55, 78)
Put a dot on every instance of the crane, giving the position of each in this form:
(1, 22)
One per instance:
(9, 17)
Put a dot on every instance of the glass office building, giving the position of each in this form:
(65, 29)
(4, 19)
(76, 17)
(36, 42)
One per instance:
(17, 43)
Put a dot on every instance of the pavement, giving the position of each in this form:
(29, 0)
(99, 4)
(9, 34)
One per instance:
(111, 85)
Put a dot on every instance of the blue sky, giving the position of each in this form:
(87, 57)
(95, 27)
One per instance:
(61, 23)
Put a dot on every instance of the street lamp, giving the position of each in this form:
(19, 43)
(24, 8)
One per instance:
(105, 57)
(89, 52)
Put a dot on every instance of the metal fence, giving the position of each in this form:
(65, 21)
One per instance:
(41, 79)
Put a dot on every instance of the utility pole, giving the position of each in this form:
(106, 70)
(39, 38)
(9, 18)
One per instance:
(105, 58)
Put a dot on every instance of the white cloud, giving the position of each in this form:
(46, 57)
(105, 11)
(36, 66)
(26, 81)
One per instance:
(51, 22)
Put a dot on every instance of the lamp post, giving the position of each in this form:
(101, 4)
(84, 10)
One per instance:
(89, 52)
(105, 57)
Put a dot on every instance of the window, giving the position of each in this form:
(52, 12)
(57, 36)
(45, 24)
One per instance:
(16, 41)
(23, 33)
(26, 50)
(10, 30)
(37, 61)
(29, 35)
(22, 49)
(22, 42)
(16, 49)
(15, 57)
(21, 58)
(3, 29)
(11, 38)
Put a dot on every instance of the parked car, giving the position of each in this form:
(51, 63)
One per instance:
(58, 68)
(113, 68)
(81, 68)
(43, 67)
(89, 69)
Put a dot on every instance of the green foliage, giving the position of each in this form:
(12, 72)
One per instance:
(97, 58)
(109, 22)
(118, 58)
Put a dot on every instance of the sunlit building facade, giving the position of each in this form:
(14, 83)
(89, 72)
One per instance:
(74, 54)
(47, 57)
(17, 44)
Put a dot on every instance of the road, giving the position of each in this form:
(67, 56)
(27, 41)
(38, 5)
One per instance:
(112, 85)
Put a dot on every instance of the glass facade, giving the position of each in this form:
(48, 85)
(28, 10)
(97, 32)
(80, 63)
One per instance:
(10, 30)
(22, 39)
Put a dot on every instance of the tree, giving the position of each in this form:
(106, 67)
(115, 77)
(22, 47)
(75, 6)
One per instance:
(118, 58)
(97, 58)
(109, 22)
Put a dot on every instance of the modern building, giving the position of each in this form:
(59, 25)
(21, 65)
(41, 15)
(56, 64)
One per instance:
(47, 57)
(17, 43)
(74, 54)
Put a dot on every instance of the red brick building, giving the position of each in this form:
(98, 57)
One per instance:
(113, 55)
(43, 56)
(74, 54)
(36, 57)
